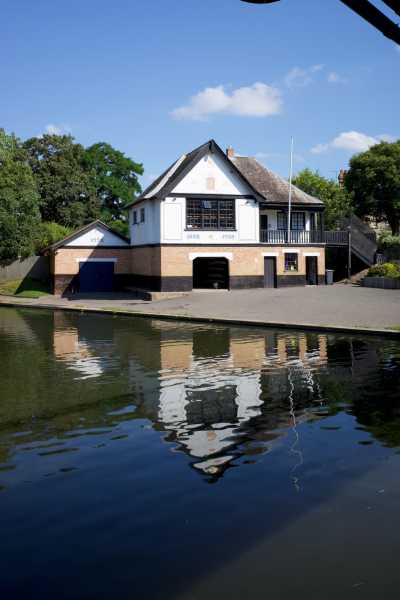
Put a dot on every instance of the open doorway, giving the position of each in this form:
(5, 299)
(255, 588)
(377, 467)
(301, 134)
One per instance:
(312, 270)
(211, 273)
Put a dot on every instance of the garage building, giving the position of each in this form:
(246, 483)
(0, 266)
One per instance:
(93, 259)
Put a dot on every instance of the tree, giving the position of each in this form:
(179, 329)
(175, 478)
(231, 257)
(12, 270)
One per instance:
(336, 199)
(374, 180)
(115, 178)
(19, 200)
(49, 233)
(65, 184)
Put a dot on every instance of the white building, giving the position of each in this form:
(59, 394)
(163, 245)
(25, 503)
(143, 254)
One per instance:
(213, 219)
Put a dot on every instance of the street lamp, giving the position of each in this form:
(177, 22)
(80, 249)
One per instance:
(367, 11)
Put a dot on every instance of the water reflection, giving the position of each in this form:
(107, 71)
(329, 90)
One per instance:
(223, 396)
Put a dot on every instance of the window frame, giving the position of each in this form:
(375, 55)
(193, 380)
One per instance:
(206, 218)
(142, 215)
(296, 262)
(134, 218)
(295, 213)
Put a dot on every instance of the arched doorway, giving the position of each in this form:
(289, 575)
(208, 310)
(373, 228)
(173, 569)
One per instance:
(211, 273)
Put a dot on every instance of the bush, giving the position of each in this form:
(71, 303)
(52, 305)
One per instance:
(390, 245)
(48, 233)
(385, 270)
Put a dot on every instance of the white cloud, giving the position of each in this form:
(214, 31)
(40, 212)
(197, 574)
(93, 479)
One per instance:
(352, 141)
(62, 129)
(298, 77)
(334, 77)
(257, 100)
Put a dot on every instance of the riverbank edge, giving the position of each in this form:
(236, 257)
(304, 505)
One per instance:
(217, 320)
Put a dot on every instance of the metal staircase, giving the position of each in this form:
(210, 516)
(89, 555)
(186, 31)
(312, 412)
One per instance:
(361, 239)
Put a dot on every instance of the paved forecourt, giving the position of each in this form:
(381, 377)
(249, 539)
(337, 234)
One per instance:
(338, 306)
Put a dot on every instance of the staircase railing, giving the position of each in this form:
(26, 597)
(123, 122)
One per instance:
(363, 239)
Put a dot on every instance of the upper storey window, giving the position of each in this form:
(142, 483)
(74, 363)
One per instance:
(297, 220)
(210, 214)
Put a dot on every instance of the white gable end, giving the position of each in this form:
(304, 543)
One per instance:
(97, 237)
(212, 175)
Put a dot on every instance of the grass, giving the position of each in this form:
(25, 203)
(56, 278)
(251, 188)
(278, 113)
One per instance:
(394, 327)
(25, 288)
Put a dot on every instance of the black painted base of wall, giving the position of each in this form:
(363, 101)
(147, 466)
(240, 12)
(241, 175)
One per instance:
(239, 282)
(154, 283)
(291, 280)
(69, 284)
(66, 285)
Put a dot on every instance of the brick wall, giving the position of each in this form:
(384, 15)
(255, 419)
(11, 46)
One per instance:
(66, 263)
(246, 260)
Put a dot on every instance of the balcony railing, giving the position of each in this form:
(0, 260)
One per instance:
(271, 236)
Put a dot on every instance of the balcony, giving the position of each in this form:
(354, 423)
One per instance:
(277, 236)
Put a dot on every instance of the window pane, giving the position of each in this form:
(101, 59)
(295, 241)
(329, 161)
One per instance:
(193, 214)
(298, 221)
(282, 220)
(291, 261)
(210, 214)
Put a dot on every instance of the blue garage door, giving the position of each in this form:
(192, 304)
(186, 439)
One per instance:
(96, 276)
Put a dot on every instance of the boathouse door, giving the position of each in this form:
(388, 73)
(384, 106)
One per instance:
(312, 270)
(270, 272)
(211, 273)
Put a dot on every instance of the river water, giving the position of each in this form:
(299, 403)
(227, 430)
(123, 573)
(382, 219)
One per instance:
(153, 459)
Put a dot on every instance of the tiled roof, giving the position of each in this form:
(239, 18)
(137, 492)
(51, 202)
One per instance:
(273, 188)
(265, 184)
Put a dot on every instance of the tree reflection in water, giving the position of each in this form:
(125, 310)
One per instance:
(224, 396)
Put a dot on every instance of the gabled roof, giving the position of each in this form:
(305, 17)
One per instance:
(265, 185)
(273, 188)
(163, 185)
(81, 231)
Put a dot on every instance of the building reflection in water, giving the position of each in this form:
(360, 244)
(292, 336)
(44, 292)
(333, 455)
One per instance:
(82, 351)
(208, 406)
(220, 394)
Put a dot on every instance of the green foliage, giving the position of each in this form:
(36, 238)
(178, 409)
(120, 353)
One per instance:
(374, 181)
(390, 245)
(115, 177)
(336, 199)
(66, 186)
(118, 225)
(25, 288)
(49, 233)
(19, 201)
(385, 270)
(59, 181)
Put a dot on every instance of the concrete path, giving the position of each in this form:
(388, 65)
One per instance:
(342, 307)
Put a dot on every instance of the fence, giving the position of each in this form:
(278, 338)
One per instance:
(35, 267)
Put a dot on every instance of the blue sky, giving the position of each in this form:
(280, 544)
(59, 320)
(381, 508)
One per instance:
(157, 78)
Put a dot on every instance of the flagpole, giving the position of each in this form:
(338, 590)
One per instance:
(290, 187)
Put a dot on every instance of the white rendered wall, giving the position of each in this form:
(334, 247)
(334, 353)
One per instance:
(173, 224)
(97, 237)
(212, 175)
(149, 231)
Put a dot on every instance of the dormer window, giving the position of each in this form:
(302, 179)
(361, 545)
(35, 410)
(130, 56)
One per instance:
(210, 214)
